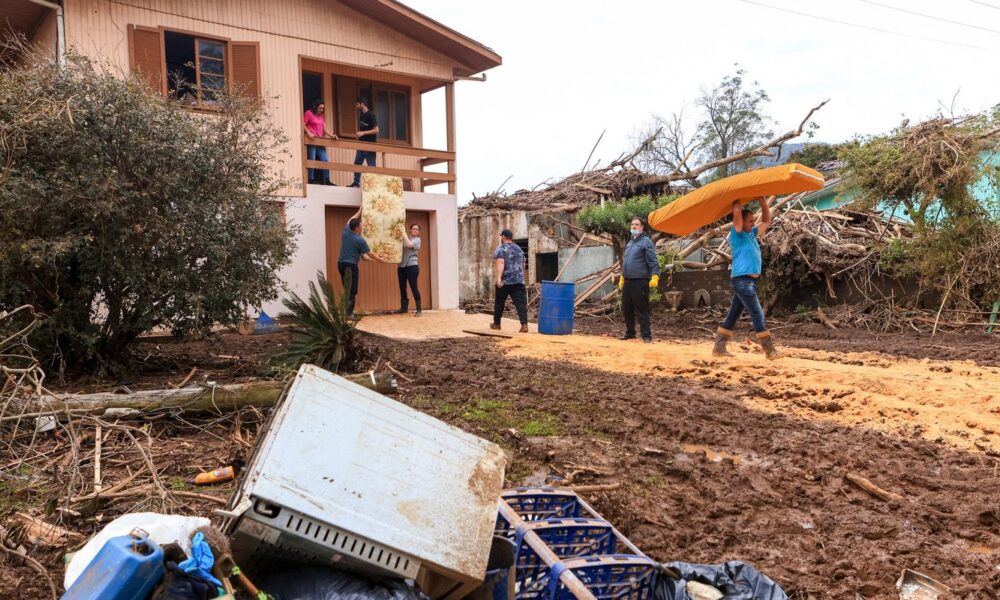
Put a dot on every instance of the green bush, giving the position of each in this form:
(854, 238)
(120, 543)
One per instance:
(121, 211)
(322, 334)
(614, 218)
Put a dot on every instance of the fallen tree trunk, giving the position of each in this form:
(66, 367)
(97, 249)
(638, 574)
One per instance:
(259, 394)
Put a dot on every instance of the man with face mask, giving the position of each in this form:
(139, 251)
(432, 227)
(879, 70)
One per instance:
(640, 272)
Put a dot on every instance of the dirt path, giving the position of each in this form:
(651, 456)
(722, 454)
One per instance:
(955, 401)
(707, 477)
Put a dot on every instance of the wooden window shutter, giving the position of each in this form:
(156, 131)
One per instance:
(347, 115)
(147, 56)
(244, 75)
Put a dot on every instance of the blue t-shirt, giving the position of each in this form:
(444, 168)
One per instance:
(513, 263)
(352, 246)
(746, 252)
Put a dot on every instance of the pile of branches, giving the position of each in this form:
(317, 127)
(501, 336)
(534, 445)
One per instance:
(808, 245)
(566, 195)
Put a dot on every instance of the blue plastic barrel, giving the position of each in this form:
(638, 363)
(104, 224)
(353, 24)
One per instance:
(555, 314)
(125, 568)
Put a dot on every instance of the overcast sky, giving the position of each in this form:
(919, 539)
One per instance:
(573, 68)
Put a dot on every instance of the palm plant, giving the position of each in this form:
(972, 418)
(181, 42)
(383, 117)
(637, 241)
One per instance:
(321, 332)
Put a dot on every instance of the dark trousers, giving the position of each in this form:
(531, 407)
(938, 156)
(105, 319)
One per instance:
(408, 274)
(635, 303)
(363, 156)
(745, 298)
(344, 269)
(518, 295)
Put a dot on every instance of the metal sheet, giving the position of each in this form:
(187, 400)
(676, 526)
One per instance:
(365, 463)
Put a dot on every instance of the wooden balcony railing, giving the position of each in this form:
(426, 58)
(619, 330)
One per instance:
(424, 158)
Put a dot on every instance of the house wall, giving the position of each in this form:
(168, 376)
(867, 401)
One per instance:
(43, 39)
(292, 33)
(588, 260)
(286, 30)
(310, 255)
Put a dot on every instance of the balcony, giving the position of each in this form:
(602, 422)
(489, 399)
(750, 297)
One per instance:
(406, 162)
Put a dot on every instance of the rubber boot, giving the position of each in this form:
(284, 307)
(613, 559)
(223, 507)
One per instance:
(404, 305)
(767, 343)
(722, 336)
(417, 314)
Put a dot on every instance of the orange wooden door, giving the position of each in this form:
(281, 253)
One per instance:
(378, 283)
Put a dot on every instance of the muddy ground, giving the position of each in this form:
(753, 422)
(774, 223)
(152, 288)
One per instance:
(705, 475)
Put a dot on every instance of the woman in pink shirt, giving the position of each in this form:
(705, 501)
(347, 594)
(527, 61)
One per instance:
(315, 126)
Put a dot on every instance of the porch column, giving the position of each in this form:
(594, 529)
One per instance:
(449, 105)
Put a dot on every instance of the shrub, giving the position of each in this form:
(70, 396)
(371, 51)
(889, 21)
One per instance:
(121, 211)
(322, 334)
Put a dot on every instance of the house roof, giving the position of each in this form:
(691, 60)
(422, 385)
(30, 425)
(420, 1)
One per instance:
(473, 56)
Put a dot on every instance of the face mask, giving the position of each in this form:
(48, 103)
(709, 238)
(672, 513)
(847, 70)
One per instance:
(636, 232)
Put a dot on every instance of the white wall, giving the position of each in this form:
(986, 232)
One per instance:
(309, 214)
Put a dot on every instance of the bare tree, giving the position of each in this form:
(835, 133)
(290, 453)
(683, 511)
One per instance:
(669, 151)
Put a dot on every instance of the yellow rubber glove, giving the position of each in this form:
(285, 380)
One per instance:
(621, 282)
(654, 281)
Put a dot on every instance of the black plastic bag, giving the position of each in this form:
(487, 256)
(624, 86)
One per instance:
(736, 580)
(178, 585)
(323, 583)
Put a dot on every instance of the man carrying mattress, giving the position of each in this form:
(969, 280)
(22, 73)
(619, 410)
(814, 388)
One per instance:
(746, 270)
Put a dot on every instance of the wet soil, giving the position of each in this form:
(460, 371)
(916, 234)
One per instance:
(707, 473)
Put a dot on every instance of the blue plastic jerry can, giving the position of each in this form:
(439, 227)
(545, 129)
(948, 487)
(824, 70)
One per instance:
(127, 567)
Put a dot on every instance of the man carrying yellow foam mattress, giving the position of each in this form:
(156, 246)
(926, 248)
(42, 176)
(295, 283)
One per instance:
(746, 270)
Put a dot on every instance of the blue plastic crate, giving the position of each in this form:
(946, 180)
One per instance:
(617, 577)
(567, 538)
(540, 503)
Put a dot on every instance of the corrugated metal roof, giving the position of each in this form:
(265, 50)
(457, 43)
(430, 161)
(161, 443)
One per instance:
(472, 56)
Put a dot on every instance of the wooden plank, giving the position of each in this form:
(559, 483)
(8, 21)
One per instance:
(426, 162)
(571, 255)
(352, 168)
(489, 333)
(449, 106)
(590, 291)
(442, 155)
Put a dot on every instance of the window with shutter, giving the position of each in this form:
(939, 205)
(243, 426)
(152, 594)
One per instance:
(245, 59)
(347, 115)
(146, 53)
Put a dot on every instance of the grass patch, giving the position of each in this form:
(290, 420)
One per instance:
(179, 483)
(490, 413)
(542, 426)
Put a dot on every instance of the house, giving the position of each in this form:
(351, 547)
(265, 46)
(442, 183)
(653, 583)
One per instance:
(292, 53)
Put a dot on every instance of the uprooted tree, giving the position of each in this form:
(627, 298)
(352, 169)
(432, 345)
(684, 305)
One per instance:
(121, 211)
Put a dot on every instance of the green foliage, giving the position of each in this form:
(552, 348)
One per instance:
(927, 169)
(614, 218)
(322, 334)
(812, 155)
(121, 211)
(734, 120)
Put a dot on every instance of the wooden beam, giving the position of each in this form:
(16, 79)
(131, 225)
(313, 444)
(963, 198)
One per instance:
(351, 168)
(449, 105)
(571, 255)
(590, 291)
(380, 147)
(426, 162)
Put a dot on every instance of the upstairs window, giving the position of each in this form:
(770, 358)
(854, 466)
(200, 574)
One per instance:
(196, 67)
(192, 67)
(390, 103)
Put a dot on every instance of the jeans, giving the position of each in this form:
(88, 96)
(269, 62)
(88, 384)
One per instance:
(317, 153)
(360, 157)
(408, 274)
(518, 294)
(745, 297)
(344, 269)
(635, 303)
